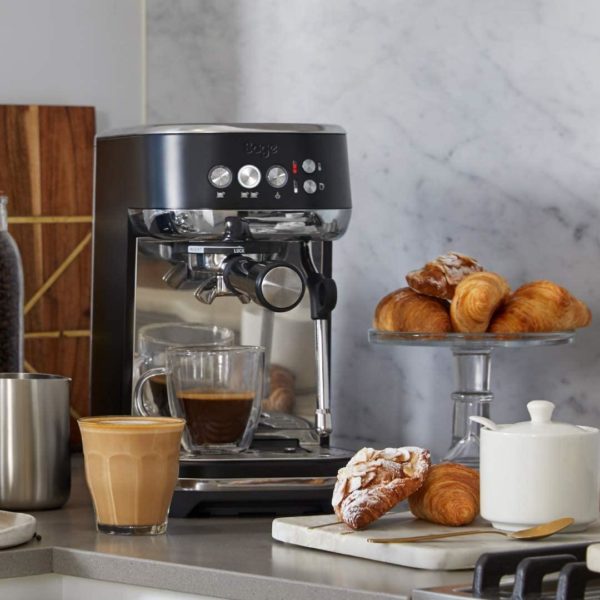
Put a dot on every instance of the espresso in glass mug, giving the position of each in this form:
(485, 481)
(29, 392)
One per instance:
(155, 339)
(218, 392)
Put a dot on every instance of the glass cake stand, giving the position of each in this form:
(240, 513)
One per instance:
(473, 360)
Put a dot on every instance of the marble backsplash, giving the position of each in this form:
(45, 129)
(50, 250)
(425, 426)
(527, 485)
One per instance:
(472, 126)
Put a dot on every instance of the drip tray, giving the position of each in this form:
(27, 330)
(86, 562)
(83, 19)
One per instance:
(271, 481)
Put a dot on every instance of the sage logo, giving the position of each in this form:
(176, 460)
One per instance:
(264, 150)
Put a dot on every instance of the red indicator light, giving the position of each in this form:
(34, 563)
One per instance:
(294, 167)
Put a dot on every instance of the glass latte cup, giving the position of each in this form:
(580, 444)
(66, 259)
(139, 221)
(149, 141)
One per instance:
(131, 468)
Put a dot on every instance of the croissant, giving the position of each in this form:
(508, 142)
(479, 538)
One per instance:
(449, 496)
(541, 306)
(475, 300)
(282, 396)
(281, 399)
(405, 310)
(374, 481)
(440, 277)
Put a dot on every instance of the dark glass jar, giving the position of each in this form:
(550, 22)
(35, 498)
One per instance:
(11, 298)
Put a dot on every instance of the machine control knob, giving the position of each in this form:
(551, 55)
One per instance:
(220, 176)
(276, 285)
(309, 165)
(277, 176)
(310, 186)
(249, 176)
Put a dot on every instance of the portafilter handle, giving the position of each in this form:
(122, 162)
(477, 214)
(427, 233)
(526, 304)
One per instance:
(276, 285)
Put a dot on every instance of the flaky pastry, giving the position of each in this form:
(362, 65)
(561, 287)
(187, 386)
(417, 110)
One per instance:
(475, 301)
(440, 277)
(282, 397)
(449, 496)
(405, 310)
(540, 306)
(374, 481)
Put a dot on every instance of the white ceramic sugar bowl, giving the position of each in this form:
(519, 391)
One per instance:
(539, 470)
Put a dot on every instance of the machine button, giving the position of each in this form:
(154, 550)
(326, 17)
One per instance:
(277, 176)
(310, 187)
(220, 176)
(309, 166)
(249, 176)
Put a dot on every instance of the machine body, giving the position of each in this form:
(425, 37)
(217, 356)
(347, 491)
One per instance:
(229, 226)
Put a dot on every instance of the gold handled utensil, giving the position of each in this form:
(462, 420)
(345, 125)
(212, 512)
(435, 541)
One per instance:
(531, 533)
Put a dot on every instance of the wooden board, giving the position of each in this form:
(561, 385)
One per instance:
(46, 170)
(447, 554)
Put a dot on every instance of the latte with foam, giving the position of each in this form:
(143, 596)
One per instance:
(131, 467)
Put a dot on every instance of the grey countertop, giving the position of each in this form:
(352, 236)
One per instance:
(222, 557)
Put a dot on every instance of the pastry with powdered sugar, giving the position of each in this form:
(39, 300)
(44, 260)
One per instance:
(374, 481)
(440, 277)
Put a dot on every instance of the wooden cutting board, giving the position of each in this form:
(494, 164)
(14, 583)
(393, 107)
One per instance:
(46, 170)
(448, 554)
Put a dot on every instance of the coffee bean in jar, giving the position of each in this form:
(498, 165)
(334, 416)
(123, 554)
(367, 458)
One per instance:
(11, 298)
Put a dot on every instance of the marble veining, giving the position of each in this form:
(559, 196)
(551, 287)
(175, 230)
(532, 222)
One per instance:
(472, 126)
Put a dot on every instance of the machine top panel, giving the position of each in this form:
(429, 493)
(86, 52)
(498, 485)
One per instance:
(252, 167)
(224, 128)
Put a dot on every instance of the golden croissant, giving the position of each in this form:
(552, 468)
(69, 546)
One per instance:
(449, 496)
(475, 300)
(541, 306)
(374, 481)
(405, 310)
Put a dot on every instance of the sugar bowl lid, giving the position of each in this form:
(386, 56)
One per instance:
(541, 423)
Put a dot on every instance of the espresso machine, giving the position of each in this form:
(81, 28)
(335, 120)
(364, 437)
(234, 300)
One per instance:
(229, 227)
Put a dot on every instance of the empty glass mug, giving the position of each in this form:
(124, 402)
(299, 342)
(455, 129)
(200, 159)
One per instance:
(218, 392)
(152, 343)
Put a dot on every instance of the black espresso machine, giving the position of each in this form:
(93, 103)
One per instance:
(226, 228)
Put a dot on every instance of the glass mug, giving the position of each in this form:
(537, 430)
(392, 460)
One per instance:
(218, 391)
(152, 343)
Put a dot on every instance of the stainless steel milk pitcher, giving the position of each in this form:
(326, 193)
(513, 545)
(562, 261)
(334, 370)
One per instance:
(34, 441)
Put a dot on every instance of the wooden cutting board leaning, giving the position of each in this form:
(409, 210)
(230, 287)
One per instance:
(46, 170)
(446, 554)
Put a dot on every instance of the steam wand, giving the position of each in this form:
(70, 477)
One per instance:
(323, 298)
